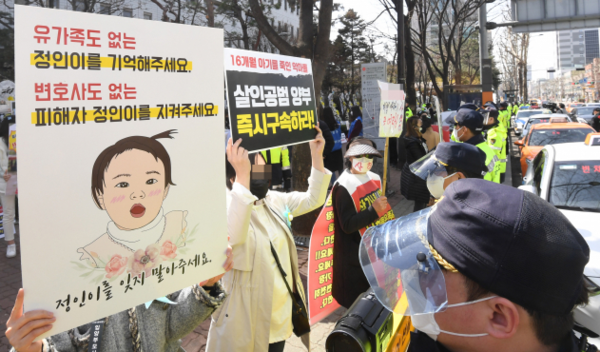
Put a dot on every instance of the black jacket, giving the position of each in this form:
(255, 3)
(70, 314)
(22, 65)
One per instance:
(349, 281)
(596, 123)
(412, 186)
(420, 342)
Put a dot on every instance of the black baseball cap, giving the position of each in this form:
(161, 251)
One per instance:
(512, 243)
(469, 116)
(463, 156)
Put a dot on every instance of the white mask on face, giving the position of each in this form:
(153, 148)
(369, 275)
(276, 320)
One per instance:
(455, 134)
(426, 322)
(435, 185)
(362, 165)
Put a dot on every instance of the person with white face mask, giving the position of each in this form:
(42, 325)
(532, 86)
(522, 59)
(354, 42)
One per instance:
(358, 203)
(448, 163)
(489, 268)
(468, 127)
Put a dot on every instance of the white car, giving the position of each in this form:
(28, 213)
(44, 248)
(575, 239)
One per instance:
(523, 116)
(568, 176)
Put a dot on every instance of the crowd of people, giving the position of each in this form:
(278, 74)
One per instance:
(484, 250)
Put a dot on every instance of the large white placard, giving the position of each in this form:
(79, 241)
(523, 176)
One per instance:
(121, 166)
(371, 98)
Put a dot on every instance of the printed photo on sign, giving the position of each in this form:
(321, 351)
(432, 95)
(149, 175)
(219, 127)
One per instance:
(118, 203)
(271, 99)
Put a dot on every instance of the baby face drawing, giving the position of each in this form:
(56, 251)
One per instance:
(131, 179)
(134, 189)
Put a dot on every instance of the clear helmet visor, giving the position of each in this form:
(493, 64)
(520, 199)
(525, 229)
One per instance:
(486, 117)
(398, 263)
(429, 165)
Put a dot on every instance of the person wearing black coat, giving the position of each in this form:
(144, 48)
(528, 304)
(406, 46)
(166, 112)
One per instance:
(596, 120)
(349, 281)
(413, 187)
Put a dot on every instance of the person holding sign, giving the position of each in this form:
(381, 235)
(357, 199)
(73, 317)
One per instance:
(357, 205)
(156, 326)
(264, 284)
(8, 200)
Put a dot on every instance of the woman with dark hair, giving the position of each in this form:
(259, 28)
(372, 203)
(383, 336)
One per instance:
(356, 126)
(8, 201)
(413, 187)
(334, 161)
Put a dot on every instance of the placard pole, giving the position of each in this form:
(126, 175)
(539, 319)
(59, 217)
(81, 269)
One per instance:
(385, 163)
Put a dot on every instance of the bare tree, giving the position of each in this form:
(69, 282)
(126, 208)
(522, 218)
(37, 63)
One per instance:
(312, 43)
(443, 27)
(390, 7)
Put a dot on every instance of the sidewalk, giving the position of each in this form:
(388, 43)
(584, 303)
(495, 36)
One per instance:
(10, 279)
(10, 282)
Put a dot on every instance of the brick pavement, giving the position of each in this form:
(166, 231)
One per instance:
(10, 282)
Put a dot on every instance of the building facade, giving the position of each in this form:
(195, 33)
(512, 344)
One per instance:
(577, 48)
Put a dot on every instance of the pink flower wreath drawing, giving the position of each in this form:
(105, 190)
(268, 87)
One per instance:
(130, 181)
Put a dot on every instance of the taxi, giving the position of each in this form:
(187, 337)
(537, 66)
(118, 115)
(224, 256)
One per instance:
(557, 131)
(568, 176)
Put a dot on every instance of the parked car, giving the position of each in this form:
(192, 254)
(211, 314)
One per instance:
(524, 115)
(545, 118)
(570, 106)
(585, 113)
(568, 176)
(557, 131)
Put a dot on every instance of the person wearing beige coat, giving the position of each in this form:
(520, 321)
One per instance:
(256, 316)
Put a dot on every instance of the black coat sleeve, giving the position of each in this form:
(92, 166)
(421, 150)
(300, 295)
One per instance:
(329, 141)
(348, 218)
(414, 151)
(596, 123)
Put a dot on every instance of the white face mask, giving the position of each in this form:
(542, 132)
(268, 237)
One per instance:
(426, 322)
(362, 165)
(455, 134)
(435, 184)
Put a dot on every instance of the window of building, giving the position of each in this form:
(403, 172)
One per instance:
(57, 4)
(104, 9)
(127, 12)
(147, 15)
(285, 5)
(79, 5)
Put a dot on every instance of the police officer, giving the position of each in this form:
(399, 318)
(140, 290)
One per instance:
(515, 109)
(450, 162)
(504, 114)
(409, 113)
(488, 268)
(467, 128)
(495, 133)
(281, 170)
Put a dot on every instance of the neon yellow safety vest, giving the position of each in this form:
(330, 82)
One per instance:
(491, 162)
(409, 112)
(279, 156)
(496, 138)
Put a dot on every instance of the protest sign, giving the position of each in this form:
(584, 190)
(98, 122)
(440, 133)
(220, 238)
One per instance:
(271, 99)
(391, 110)
(320, 266)
(121, 188)
(371, 74)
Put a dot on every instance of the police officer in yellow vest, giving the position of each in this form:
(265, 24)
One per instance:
(468, 127)
(282, 172)
(504, 114)
(409, 112)
(495, 134)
